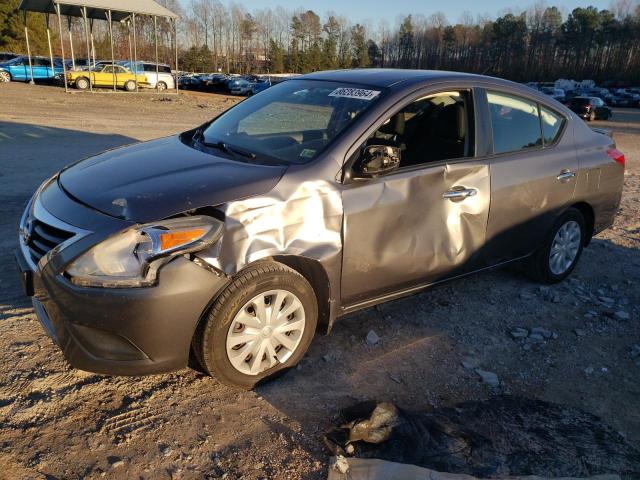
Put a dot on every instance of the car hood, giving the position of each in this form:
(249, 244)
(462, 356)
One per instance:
(157, 179)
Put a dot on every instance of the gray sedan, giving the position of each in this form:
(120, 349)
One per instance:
(237, 241)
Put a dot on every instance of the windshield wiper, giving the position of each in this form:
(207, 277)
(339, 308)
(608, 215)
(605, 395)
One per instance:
(220, 145)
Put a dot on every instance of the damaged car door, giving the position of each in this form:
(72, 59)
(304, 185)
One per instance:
(422, 219)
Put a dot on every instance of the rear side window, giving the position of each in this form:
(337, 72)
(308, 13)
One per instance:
(551, 125)
(165, 69)
(515, 122)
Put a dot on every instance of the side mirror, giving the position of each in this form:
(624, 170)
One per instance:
(378, 159)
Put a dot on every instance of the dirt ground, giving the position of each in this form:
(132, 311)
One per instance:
(56, 422)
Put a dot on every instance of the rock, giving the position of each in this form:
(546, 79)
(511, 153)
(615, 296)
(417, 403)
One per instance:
(470, 363)
(588, 370)
(117, 463)
(604, 299)
(341, 464)
(489, 378)
(395, 379)
(542, 331)
(622, 315)
(519, 332)
(372, 338)
(580, 332)
(536, 338)
(165, 450)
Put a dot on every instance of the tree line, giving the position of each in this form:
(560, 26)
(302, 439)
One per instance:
(540, 43)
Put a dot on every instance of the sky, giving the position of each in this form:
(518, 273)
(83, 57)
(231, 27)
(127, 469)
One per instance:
(391, 10)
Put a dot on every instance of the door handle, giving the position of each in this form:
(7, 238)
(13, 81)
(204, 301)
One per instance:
(566, 175)
(459, 193)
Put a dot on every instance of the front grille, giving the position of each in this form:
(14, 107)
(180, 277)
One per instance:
(43, 238)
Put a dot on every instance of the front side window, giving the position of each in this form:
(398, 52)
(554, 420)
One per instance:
(433, 128)
(292, 122)
(515, 122)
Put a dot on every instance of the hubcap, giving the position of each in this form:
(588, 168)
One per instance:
(265, 331)
(564, 248)
(4, 77)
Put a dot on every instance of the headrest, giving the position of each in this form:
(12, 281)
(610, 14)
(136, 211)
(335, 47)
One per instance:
(395, 125)
(451, 122)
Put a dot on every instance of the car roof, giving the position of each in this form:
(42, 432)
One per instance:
(388, 77)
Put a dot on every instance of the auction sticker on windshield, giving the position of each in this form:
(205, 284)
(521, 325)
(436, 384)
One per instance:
(358, 93)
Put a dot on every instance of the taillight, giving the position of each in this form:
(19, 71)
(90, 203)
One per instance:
(616, 155)
(589, 106)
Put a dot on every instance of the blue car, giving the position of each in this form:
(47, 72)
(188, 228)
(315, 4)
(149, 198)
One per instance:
(18, 69)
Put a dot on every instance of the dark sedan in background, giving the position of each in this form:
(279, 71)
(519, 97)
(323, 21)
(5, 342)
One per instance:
(323, 195)
(590, 108)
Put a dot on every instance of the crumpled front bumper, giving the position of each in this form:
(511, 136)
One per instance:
(120, 331)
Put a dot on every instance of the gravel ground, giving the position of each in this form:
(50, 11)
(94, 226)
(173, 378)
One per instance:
(576, 343)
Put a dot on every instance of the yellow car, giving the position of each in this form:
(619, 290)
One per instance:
(102, 76)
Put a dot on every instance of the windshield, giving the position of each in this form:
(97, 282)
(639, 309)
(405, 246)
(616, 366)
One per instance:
(291, 122)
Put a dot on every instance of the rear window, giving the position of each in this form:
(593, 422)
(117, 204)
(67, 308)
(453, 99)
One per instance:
(515, 122)
(551, 125)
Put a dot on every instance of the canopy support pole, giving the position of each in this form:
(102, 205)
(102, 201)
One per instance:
(86, 38)
(155, 36)
(64, 65)
(73, 56)
(135, 50)
(93, 47)
(26, 37)
(175, 40)
(113, 60)
(53, 67)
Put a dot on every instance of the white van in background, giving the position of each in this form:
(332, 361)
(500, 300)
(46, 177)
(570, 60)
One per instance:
(163, 78)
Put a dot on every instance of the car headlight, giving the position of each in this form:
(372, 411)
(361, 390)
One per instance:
(132, 258)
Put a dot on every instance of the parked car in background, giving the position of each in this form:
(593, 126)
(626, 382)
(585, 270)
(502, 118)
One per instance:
(622, 100)
(238, 240)
(239, 86)
(6, 56)
(162, 78)
(556, 93)
(104, 77)
(259, 85)
(590, 108)
(18, 69)
(215, 82)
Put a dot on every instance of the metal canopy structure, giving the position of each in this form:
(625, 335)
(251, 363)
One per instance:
(123, 11)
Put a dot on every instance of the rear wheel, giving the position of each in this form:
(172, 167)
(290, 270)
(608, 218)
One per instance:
(557, 257)
(82, 83)
(592, 116)
(162, 86)
(5, 77)
(130, 85)
(261, 324)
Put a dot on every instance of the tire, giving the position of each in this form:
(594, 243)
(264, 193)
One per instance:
(5, 77)
(592, 116)
(541, 266)
(162, 86)
(130, 86)
(82, 83)
(216, 338)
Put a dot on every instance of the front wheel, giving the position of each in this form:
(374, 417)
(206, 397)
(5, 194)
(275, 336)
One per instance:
(82, 83)
(130, 85)
(261, 324)
(559, 254)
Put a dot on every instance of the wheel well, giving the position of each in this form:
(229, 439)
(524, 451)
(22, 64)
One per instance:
(589, 219)
(315, 274)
